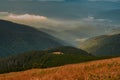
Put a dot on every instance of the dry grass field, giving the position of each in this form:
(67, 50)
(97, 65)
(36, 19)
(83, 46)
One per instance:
(108, 69)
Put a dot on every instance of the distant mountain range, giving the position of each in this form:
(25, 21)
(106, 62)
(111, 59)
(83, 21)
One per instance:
(17, 38)
(68, 13)
(105, 45)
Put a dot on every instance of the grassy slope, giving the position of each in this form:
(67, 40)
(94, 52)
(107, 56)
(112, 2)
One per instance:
(107, 69)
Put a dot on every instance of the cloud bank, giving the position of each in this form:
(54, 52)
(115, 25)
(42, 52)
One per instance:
(39, 21)
(79, 30)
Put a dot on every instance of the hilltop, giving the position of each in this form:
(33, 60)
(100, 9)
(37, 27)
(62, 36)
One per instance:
(44, 59)
(17, 38)
(104, 45)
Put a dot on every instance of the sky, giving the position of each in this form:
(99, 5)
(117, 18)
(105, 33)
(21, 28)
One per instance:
(79, 19)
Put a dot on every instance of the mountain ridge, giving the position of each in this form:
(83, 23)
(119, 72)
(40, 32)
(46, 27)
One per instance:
(105, 45)
(44, 59)
(17, 38)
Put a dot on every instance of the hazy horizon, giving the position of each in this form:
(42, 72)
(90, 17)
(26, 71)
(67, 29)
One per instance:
(79, 19)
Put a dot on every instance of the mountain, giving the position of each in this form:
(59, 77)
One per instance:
(105, 45)
(96, 70)
(44, 59)
(17, 38)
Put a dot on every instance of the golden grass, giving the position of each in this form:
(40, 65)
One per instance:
(108, 69)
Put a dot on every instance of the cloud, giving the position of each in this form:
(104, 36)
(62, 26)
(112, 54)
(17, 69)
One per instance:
(39, 18)
(26, 17)
(37, 21)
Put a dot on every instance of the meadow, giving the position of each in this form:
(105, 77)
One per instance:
(107, 69)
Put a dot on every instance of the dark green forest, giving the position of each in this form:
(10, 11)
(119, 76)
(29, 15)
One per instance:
(45, 59)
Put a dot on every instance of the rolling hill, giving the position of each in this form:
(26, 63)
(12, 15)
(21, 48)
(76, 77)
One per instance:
(96, 70)
(105, 45)
(17, 38)
(44, 59)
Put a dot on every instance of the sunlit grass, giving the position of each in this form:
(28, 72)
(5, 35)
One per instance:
(108, 69)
